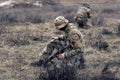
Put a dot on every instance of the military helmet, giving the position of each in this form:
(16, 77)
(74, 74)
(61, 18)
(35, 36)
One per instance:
(86, 5)
(60, 22)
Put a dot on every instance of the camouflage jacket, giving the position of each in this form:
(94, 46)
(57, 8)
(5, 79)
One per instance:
(75, 39)
(85, 12)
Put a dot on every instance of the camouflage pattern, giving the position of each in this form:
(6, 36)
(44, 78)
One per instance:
(83, 14)
(72, 36)
(86, 5)
(75, 38)
(49, 49)
(87, 8)
(60, 22)
(49, 70)
(73, 56)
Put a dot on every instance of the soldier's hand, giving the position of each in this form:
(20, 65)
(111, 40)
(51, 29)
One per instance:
(54, 38)
(61, 56)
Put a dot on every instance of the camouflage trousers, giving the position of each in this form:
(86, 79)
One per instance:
(60, 69)
(75, 60)
(65, 69)
(48, 50)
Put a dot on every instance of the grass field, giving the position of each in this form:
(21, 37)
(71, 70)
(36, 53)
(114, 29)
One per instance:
(22, 42)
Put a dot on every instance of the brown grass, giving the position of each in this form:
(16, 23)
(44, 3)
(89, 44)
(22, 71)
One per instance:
(18, 58)
(21, 43)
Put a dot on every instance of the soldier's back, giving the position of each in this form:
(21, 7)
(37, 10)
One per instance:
(82, 12)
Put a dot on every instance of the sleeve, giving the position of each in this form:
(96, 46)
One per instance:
(77, 43)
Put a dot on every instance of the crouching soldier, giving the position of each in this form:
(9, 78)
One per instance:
(83, 15)
(72, 36)
(65, 60)
(72, 39)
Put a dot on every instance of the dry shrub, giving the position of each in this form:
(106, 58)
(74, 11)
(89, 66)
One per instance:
(96, 40)
(108, 10)
(106, 32)
(7, 18)
(59, 73)
(111, 9)
(2, 29)
(25, 34)
(118, 30)
(50, 2)
(23, 5)
(13, 15)
(97, 20)
(19, 38)
(2, 34)
(24, 12)
(27, 13)
(100, 43)
(110, 70)
(70, 73)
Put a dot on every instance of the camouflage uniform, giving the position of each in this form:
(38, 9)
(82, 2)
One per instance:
(73, 57)
(82, 16)
(73, 36)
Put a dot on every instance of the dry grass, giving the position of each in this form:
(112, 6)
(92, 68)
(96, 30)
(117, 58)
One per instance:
(16, 59)
(22, 35)
(21, 43)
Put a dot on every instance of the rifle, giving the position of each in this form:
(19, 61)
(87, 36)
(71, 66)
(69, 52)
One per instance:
(54, 54)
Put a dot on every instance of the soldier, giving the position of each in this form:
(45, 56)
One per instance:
(67, 61)
(73, 36)
(82, 16)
